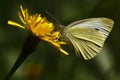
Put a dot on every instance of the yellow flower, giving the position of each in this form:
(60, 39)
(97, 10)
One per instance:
(39, 27)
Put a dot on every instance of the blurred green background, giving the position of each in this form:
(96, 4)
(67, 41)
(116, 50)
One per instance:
(46, 63)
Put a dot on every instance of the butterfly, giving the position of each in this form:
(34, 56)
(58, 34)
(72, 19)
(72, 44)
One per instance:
(87, 36)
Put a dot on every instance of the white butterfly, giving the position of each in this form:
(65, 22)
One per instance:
(87, 36)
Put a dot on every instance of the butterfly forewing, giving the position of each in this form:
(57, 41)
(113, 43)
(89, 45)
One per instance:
(88, 36)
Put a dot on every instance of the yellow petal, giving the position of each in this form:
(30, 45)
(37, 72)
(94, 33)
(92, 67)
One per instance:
(62, 42)
(21, 17)
(63, 52)
(15, 24)
(22, 11)
(38, 19)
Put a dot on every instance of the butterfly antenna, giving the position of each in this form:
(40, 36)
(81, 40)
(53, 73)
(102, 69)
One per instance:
(57, 22)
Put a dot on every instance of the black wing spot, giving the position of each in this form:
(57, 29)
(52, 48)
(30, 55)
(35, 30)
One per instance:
(96, 29)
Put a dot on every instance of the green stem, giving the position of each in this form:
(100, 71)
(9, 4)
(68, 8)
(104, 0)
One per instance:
(28, 47)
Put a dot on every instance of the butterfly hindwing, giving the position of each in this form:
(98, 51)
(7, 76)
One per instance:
(88, 36)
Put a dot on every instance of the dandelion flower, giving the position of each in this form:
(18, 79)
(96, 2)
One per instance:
(39, 27)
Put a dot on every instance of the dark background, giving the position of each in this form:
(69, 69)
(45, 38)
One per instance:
(46, 63)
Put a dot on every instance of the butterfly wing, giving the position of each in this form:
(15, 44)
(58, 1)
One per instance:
(88, 36)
